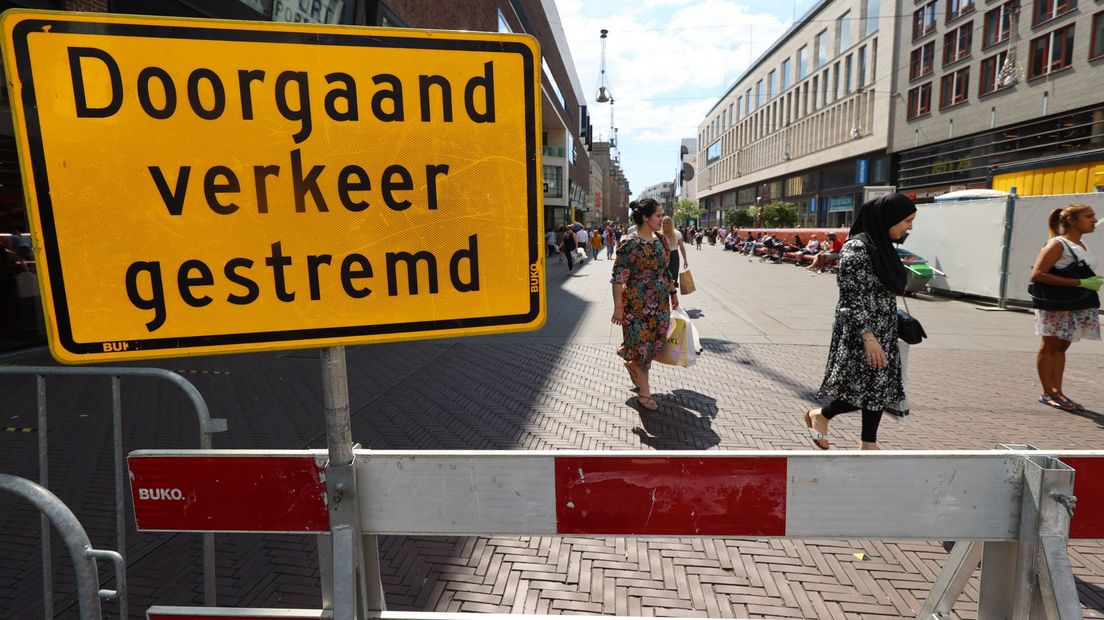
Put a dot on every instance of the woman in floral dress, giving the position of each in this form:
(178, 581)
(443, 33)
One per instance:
(643, 295)
(864, 364)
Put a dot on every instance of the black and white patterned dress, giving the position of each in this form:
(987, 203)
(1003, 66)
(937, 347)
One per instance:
(865, 305)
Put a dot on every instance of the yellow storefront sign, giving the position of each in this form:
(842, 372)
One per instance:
(200, 186)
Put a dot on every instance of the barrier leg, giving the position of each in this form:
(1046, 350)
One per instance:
(952, 580)
(998, 579)
(373, 580)
(326, 568)
(1047, 481)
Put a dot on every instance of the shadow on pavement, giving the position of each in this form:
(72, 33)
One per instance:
(1091, 416)
(1091, 595)
(674, 427)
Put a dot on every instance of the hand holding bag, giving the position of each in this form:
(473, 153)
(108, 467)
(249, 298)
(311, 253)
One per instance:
(683, 346)
(686, 283)
(1051, 297)
(908, 328)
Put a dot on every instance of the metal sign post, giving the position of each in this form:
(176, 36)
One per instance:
(356, 585)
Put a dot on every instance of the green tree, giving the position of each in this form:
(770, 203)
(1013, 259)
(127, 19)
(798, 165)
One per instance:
(740, 218)
(687, 210)
(778, 214)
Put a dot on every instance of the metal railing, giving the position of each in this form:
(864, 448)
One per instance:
(207, 426)
(84, 557)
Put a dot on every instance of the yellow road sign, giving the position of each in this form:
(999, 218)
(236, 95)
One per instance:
(202, 186)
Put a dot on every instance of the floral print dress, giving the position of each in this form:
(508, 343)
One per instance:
(641, 268)
(865, 305)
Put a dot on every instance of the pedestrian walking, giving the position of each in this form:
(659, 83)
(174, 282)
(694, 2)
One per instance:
(674, 241)
(864, 366)
(698, 234)
(550, 243)
(581, 239)
(611, 241)
(567, 247)
(559, 242)
(643, 295)
(1064, 292)
(596, 242)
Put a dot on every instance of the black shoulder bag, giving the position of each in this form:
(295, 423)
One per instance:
(1051, 297)
(908, 328)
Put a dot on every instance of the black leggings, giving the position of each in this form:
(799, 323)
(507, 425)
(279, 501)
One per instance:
(870, 418)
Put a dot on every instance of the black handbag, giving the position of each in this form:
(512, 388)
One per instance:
(1051, 297)
(908, 328)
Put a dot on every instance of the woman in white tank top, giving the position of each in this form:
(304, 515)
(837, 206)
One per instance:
(1071, 311)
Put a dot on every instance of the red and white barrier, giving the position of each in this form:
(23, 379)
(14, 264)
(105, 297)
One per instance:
(940, 495)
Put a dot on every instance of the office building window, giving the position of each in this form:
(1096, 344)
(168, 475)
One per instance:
(1051, 52)
(870, 23)
(772, 85)
(802, 62)
(862, 67)
(820, 42)
(1096, 49)
(848, 75)
(553, 181)
(922, 60)
(958, 8)
(919, 101)
(739, 108)
(835, 81)
(1049, 9)
(998, 26)
(956, 43)
(954, 88)
(816, 90)
(990, 73)
(843, 32)
(713, 153)
(923, 20)
(786, 75)
(758, 94)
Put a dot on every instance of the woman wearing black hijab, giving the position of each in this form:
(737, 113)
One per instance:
(864, 366)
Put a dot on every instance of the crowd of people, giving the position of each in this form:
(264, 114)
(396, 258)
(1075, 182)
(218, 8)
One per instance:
(866, 368)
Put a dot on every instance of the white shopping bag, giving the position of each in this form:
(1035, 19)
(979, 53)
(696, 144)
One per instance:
(683, 345)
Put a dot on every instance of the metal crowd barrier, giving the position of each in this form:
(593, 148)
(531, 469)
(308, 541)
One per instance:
(207, 426)
(80, 548)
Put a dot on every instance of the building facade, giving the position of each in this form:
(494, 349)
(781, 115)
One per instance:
(609, 186)
(999, 94)
(663, 193)
(808, 122)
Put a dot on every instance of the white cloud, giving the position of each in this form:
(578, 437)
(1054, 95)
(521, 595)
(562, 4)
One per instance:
(667, 64)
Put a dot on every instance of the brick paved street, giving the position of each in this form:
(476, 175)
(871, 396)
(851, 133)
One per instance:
(765, 328)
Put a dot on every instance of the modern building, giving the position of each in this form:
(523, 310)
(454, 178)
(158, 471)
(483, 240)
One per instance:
(663, 193)
(999, 94)
(809, 120)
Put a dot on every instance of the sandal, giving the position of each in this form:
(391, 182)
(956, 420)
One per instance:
(1052, 401)
(647, 402)
(1069, 403)
(820, 439)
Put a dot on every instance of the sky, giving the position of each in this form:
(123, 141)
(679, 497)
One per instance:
(667, 63)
